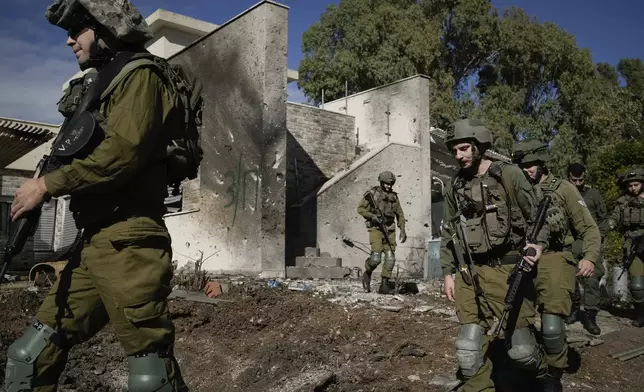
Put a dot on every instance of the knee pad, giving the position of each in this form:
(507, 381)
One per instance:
(22, 354)
(147, 373)
(469, 349)
(637, 289)
(524, 351)
(373, 261)
(390, 259)
(553, 332)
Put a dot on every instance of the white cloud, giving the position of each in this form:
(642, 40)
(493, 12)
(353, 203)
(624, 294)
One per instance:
(31, 79)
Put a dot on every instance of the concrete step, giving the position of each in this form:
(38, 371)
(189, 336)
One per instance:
(317, 272)
(318, 261)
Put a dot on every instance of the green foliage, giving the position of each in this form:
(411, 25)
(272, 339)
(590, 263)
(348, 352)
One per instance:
(612, 161)
(523, 77)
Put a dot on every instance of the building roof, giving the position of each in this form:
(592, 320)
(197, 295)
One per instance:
(164, 19)
(19, 139)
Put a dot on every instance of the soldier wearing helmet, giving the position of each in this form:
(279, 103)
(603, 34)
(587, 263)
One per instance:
(385, 213)
(120, 268)
(493, 205)
(568, 219)
(628, 218)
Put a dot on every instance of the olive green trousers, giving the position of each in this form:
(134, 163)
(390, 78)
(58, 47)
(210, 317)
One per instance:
(120, 275)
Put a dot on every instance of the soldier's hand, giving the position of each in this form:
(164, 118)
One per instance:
(538, 250)
(375, 219)
(403, 236)
(30, 194)
(448, 287)
(585, 268)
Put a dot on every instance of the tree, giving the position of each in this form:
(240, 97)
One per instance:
(526, 79)
(368, 43)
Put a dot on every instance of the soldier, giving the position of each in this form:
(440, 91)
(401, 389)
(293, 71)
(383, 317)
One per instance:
(568, 218)
(628, 219)
(498, 206)
(121, 269)
(591, 294)
(387, 204)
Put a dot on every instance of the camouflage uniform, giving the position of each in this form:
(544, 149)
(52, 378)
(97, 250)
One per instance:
(121, 270)
(555, 279)
(628, 218)
(388, 204)
(499, 208)
(591, 294)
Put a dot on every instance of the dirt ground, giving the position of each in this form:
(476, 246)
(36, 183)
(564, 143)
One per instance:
(275, 339)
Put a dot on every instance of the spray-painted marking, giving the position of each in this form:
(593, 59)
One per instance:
(240, 180)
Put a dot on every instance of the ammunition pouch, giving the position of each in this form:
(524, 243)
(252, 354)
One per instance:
(633, 216)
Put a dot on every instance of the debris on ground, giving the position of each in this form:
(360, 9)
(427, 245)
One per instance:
(315, 335)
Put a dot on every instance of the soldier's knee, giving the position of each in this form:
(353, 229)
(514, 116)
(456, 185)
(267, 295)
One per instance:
(22, 355)
(525, 352)
(147, 373)
(637, 288)
(553, 331)
(469, 349)
(390, 259)
(374, 260)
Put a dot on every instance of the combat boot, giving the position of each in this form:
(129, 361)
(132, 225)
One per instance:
(639, 318)
(574, 315)
(589, 321)
(366, 281)
(384, 286)
(552, 381)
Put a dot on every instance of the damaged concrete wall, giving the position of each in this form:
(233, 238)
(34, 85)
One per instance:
(240, 224)
(393, 109)
(327, 137)
(341, 231)
(320, 143)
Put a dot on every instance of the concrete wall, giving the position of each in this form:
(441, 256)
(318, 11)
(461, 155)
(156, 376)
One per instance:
(341, 231)
(320, 143)
(406, 101)
(240, 224)
(327, 142)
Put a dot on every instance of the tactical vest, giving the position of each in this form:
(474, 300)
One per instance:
(74, 93)
(631, 217)
(560, 233)
(493, 223)
(386, 202)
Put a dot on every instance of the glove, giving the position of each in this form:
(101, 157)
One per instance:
(375, 219)
(403, 236)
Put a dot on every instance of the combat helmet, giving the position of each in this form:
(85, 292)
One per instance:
(467, 130)
(387, 177)
(530, 151)
(634, 174)
(119, 17)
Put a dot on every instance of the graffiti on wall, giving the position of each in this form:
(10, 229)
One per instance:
(243, 189)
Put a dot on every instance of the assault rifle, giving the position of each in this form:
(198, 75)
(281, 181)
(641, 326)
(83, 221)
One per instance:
(26, 228)
(381, 218)
(636, 250)
(522, 269)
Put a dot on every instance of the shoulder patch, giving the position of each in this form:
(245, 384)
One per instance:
(582, 202)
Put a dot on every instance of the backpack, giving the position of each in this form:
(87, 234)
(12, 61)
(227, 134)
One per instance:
(183, 150)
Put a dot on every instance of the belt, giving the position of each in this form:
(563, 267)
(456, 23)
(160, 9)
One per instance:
(508, 259)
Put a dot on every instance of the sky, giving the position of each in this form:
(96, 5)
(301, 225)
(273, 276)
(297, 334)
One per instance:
(35, 61)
